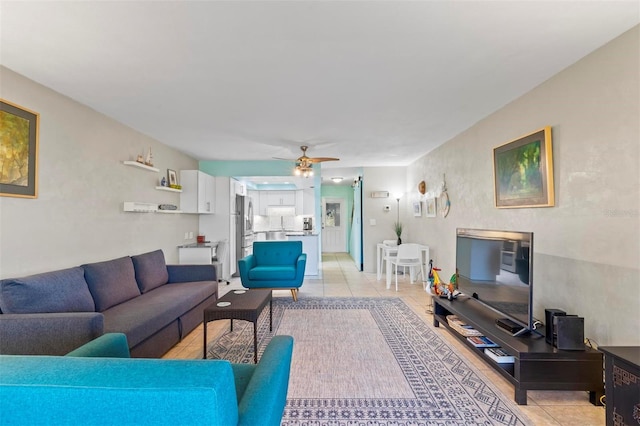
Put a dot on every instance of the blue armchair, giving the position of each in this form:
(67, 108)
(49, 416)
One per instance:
(274, 264)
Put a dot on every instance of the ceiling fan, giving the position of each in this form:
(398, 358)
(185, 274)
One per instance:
(304, 163)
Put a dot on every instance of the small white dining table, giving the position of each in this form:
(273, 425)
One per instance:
(384, 251)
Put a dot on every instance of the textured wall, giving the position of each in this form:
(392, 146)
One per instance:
(587, 247)
(78, 215)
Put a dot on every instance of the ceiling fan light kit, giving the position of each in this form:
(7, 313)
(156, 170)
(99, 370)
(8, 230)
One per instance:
(304, 164)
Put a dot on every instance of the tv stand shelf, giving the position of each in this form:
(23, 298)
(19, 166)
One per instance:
(538, 365)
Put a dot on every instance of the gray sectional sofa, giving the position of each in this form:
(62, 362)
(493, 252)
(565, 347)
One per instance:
(155, 305)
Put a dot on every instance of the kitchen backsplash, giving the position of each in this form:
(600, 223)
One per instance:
(276, 222)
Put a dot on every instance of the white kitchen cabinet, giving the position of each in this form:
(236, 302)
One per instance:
(264, 203)
(281, 198)
(308, 202)
(222, 225)
(254, 197)
(198, 192)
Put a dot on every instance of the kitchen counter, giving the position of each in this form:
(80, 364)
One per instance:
(197, 253)
(310, 246)
(199, 245)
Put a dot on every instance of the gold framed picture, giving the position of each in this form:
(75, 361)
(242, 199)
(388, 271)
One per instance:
(18, 151)
(523, 171)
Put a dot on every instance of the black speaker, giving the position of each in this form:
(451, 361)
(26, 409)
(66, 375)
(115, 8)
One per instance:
(549, 330)
(570, 329)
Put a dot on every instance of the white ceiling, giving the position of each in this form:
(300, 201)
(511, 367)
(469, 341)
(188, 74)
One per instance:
(374, 83)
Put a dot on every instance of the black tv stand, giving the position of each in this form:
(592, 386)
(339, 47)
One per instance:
(538, 365)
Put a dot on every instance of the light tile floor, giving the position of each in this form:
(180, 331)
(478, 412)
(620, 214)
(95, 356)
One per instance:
(342, 279)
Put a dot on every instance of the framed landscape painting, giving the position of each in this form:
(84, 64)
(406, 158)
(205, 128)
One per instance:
(18, 151)
(523, 171)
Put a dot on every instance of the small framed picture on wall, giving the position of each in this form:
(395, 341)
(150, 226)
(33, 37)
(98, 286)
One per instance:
(430, 207)
(417, 208)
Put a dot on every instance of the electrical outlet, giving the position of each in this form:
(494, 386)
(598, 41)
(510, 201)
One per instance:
(186, 235)
(191, 235)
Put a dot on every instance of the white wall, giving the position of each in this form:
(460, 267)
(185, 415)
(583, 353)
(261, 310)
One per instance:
(78, 215)
(374, 179)
(587, 247)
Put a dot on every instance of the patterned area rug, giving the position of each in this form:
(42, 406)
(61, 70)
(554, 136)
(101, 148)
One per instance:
(370, 362)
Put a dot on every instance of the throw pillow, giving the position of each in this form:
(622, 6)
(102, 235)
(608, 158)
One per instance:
(111, 282)
(59, 291)
(151, 270)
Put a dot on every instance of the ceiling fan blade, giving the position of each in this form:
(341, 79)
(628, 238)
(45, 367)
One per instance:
(321, 159)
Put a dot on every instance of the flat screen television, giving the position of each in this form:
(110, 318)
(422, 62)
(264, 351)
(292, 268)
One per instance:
(496, 269)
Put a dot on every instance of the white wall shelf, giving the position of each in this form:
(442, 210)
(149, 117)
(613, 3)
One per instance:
(166, 188)
(140, 166)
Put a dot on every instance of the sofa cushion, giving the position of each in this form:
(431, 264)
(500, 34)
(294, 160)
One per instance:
(272, 273)
(59, 291)
(150, 269)
(145, 315)
(111, 282)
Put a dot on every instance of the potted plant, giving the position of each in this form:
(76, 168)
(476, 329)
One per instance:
(397, 227)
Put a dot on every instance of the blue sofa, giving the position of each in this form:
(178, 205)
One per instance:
(274, 264)
(154, 304)
(97, 384)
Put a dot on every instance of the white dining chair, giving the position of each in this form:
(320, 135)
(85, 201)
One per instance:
(386, 254)
(408, 255)
(219, 260)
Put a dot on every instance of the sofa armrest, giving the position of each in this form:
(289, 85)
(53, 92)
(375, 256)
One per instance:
(264, 399)
(48, 334)
(190, 273)
(244, 265)
(301, 264)
(110, 345)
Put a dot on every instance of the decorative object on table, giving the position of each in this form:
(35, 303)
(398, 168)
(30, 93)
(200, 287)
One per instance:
(430, 276)
(417, 208)
(172, 177)
(523, 171)
(422, 187)
(19, 154)
(430, 207)
(163, 181)
(397, 228)
(140, 159)
(149, 158)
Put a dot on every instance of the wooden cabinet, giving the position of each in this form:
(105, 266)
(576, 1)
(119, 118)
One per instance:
(198, 192)
(622, 383)
(537, 364)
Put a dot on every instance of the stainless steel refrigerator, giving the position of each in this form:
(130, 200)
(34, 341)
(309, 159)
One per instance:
(243, 213)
